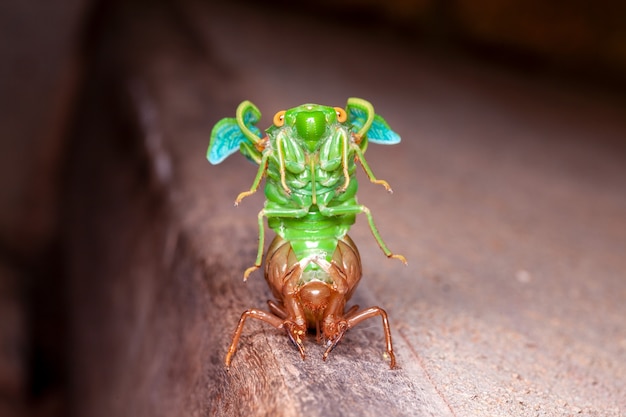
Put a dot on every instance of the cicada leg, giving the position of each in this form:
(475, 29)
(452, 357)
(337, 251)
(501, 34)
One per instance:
(257, 180)
(353, 318)
(277, 309)
(294, 331)
(349, 208)
(283, 273)
(347, 271)
(255, 314)
(278, 318)
(269, 211)
(368, 170)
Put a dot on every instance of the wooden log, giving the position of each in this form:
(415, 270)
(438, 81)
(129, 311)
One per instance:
(495, 314)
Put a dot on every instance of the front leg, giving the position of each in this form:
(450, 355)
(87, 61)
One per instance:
(283, 273)
(254, 314)
(295, 323)
(281, 163)
(344, 161)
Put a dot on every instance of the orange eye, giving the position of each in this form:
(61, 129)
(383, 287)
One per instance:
(279, 118)
(341, 115)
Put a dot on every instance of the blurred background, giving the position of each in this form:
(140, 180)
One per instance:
(63, 62)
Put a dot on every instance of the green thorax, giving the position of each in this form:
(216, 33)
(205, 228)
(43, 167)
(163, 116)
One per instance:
(309, 150)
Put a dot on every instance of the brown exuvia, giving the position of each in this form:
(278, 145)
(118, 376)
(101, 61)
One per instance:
(314, 304)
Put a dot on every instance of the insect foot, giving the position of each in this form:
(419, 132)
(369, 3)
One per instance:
(334, 332)
(296, 333)
(399, 257)
(354, 317)
(254, 314)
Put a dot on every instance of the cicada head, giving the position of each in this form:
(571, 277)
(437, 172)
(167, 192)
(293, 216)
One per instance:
(310, 123)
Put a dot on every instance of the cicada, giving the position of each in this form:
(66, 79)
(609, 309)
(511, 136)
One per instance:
(308, 157)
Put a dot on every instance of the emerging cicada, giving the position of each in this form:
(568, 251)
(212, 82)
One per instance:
(309, 157)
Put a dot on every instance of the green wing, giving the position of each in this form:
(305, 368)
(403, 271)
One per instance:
(232, 133)
(366, 123)
(380, 132)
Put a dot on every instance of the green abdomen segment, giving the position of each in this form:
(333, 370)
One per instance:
(313, 235)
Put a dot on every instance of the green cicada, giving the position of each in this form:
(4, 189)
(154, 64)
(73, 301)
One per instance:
(308, 157)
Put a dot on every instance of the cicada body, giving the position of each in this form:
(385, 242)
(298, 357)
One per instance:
(309, 157)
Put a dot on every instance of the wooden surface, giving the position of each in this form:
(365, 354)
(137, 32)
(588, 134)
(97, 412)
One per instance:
(508, 202)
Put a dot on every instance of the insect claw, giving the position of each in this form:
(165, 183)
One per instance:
(384, 184)
(243, 195)
(332, 346)
(248, 271)
(295, 334)
(341, 328)
(398, 257)
(392, 359)
(328, 350)
(227, 361)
